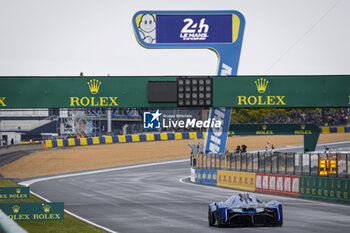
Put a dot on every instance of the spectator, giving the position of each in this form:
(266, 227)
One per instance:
(244, 148)
(238, 149)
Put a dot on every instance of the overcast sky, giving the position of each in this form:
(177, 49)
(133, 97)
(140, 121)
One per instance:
(65, 37)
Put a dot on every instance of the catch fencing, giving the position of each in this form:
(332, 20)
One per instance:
(307, 164)
(322, 176)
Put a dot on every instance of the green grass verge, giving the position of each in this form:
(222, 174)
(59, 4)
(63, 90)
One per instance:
(69, 224)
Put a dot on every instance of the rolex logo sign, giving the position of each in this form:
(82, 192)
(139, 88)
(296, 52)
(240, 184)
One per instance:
(261, 85)
(302, 130)
(92, 100)
(15, 209)
(94, 85)
(46, 208)
(264, 131)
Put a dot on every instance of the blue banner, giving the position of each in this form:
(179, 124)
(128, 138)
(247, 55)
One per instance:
(194, 29)
(216, 138)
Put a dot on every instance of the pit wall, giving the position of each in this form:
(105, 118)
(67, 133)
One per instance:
(123, 139)
(151, 137)
(321, 188)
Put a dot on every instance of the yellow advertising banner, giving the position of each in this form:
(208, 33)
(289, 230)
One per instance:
(236, 180)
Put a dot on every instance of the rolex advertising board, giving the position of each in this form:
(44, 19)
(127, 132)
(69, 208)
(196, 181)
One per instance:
(119, 91)
(14, 192)
(34, 211)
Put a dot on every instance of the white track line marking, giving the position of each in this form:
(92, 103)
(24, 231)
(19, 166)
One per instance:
(76, 216)
(29, 182)
(181, 180)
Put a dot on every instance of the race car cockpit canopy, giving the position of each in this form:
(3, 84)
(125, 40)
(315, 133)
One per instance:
(242, 199)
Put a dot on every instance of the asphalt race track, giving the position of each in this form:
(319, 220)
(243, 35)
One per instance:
(152, 199)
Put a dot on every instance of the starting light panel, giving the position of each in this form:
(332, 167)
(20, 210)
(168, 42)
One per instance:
(186, 91)
(194, 92)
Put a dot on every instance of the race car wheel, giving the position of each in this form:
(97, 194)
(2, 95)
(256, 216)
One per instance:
(210, 217)
(218, 221)
(280, 223)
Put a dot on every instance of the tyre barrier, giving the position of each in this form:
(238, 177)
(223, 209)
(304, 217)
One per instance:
(312, 187)
(151, 137)
(340, 129)
(123, 139)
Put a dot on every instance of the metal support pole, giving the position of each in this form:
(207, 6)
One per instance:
(251, 159)
(0, 135)
(271, 163)
(278, 164)
(327, 165)
(240, 162)
(285, 163)
(235, 162)
(202, 161)
(294, 164)
(336, 163)
(210, 163)
(318, 161)
(225, 162)
(301, 158)
(215, 161)
(347, 164)
(109, 122)
(309, 165)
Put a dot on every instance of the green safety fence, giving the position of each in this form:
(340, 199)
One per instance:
(325, 188)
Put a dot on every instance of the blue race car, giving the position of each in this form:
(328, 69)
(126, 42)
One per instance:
(245, 210)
